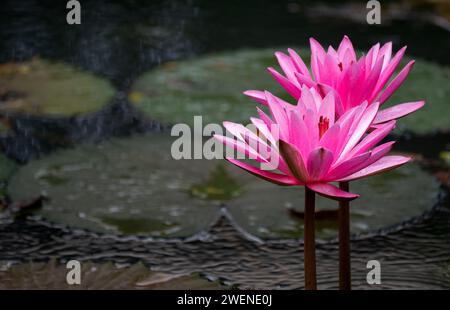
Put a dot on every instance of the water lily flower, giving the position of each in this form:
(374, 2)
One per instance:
(355, 80)
(313, 147)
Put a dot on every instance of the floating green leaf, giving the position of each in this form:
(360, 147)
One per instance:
(46, 88)
(429, 82)
(134, 186)
(220, 186)
(212, 86)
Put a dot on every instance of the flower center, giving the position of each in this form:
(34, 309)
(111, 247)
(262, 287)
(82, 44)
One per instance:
(324, 124)
(341, 66)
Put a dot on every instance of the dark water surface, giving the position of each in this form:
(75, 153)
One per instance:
(121, 39)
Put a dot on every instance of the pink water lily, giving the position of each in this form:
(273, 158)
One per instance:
(313, 147)
(354, 80)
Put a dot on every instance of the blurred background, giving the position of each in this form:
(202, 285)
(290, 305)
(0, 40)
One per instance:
(85, 118)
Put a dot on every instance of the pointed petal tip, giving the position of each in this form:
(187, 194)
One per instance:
(313, 41)
(253, 93)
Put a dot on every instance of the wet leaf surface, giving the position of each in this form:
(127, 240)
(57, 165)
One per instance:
(212, 86)
(133, 186)
(61, 91)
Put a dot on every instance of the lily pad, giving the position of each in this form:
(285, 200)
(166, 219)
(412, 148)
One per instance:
(134, 186)
(42, 87)
(430, 82)
(220, 186)
(212, 86)
(385, 200)
(7, 167)
(98, 276)
(123, 186)
(209, 86)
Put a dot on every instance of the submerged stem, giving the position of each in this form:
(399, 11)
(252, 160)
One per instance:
(344, 242)
(309, 241)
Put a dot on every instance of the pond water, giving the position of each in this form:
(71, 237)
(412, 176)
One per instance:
(124, 200)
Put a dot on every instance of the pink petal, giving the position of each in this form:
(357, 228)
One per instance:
(372, 139)
(348, 167)
(373, 77)
(290, 87)
(366, 120)
(298, 62)
(379, 152)
(311, 120)
(319, 161)
(257, 95)
(347, 46)
(287, 65)
(248, 137)
(325, 90)
(276, 178)
(256, 144)
(304, 80)
(241, 147)
(327, 108)
(330, 71)
(294, 160)
(317, 58)
(263, 116)
(332, 192)
(307, 99)
(397, 111)
(264, 129)
(384, 164)
(279, 115)
(396, 82)
(386, 51)
(372, 56)
(331, 138)
(357, 79)
(297, 134)
(387, 73)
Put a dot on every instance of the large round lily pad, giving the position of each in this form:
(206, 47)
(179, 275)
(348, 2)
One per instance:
(46, 88)
(125, 186)
(212, 86)
(134, 186)
(385, 200)
(209, 86)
